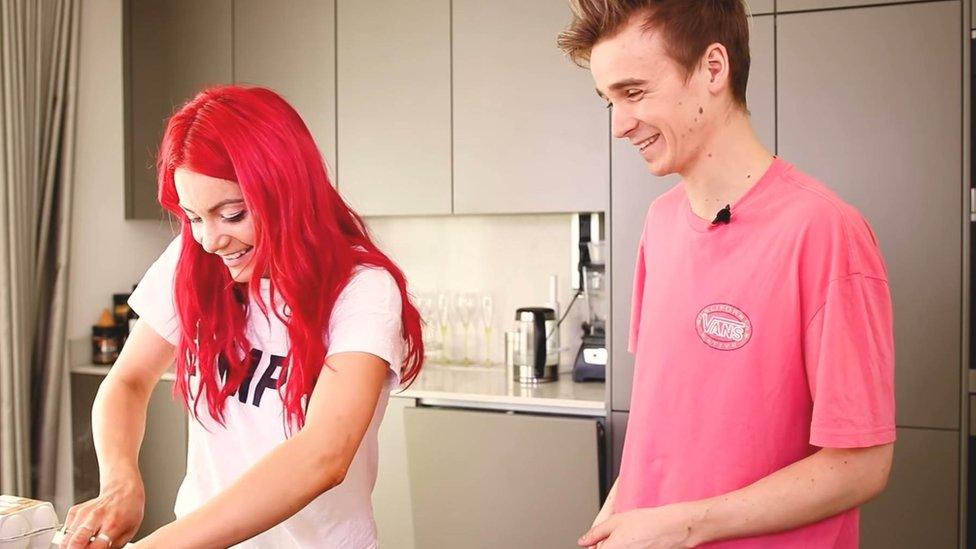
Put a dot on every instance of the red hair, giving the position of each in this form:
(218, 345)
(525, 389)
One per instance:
(308, 240)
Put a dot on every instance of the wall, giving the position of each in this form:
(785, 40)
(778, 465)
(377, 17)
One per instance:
(509, 257)
(108, 254)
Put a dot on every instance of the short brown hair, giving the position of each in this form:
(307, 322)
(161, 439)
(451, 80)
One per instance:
(688, 26)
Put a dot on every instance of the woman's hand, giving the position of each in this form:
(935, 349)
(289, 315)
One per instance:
(112, 518)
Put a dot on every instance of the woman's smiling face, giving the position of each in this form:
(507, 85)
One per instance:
(219, 219)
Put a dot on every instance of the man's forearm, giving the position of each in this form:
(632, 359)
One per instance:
(822, 485)
(607, 510)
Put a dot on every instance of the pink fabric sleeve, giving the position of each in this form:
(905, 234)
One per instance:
(850, 363)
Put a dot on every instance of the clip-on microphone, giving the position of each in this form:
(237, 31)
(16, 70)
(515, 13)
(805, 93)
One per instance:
(723, 216)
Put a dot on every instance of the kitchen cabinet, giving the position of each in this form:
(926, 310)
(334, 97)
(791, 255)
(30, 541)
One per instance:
(173, 48)
(618, 430)
(394, 106)
(634, 188)
(162, 458)
(392, 508)
(884, 131)
(290, 48)
(761, 7)
(803, 5)
(920, 506)
(492, 479)
(83, 390)
(530, 134)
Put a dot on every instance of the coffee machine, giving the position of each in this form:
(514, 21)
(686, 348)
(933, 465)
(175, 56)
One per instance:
(591, 359)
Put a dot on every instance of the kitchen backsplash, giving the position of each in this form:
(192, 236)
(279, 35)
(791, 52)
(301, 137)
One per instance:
(507, 256)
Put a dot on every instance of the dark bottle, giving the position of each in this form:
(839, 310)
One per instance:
(106, 340)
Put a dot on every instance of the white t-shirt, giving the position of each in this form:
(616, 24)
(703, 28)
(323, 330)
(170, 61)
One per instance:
(366, 318)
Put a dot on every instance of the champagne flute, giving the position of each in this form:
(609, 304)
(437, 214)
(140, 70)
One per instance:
(465, 304)
(443, 322)
(428, 326)
(487, 316)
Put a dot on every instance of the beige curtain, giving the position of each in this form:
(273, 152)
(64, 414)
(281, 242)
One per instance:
(38, 71)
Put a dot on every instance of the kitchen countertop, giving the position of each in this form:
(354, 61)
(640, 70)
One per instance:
(480, 387)
(486, 387)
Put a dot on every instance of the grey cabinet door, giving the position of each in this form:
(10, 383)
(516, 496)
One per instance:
(633, 188)
(162, 458)
(84, 387)
(290, 48)
(920, 507)
(394, 106)
(802, 5)
(486, 480)
(618, 432)
(173, 49)
(530, 134)
(391, 496)
(884, 131)
(760, 7)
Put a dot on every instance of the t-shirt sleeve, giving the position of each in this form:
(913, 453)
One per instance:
(850, 362)
(637, 301)
(152, 299)
(367, 318)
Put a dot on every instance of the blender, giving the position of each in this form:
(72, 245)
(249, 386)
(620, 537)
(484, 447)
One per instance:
(591, 359)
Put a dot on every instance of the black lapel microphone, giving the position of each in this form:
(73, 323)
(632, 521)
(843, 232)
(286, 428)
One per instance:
(723, 216)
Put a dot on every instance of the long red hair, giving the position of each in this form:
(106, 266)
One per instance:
(308, 241)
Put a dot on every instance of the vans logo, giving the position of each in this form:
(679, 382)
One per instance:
(723, 327)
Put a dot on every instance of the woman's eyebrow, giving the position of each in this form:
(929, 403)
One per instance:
(218, 205)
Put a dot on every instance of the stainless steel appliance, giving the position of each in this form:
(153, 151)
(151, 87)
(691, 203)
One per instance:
(536, 356)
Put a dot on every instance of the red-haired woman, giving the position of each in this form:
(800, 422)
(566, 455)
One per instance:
(288, 327)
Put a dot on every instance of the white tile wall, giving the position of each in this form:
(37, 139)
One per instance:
(508, 256)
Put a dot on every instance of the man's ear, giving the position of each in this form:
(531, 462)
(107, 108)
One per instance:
(716, 61)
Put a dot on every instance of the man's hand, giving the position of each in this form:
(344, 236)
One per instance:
(666, 527)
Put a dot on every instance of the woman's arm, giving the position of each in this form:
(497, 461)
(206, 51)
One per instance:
(118, 424)
(298, 470)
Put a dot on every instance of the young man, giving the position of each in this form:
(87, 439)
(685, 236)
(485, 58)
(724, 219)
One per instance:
(762, 412)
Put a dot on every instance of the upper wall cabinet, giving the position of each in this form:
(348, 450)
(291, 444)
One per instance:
(885, 132)
(761, 7)
(394, 106)
(290, 48)
(634, 188)
(804, 5)
(530, 134)
(173, 48)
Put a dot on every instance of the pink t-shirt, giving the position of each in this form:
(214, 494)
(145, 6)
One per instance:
(757, 343)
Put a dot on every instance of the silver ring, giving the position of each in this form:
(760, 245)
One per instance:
(104, 538)
(87, 527)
